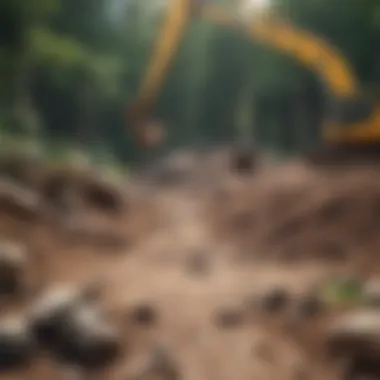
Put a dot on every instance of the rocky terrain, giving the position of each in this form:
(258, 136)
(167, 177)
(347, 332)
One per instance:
(199, 273)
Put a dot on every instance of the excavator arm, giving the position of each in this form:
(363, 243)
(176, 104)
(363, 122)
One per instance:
(352, 118)
(174, 25)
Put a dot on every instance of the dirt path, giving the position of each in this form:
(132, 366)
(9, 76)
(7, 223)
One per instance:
(157, 271)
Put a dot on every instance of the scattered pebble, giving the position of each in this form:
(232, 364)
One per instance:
(243, 161)
(275, 301)
(308, 307)
(144, 314)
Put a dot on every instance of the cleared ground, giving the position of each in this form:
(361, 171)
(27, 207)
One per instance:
(193, 251)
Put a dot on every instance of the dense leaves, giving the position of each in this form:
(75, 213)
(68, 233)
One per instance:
(69, 69)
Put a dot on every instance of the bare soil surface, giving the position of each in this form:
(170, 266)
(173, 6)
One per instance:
(194, 252)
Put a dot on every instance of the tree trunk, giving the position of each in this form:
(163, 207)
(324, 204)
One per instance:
(25, 118)
(86, 114)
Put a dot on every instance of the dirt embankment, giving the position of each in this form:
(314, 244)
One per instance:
(297, 212)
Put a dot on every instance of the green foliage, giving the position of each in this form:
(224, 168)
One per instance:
(343, 291)
(69, 68)
(54, 51)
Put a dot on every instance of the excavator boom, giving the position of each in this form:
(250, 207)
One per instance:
(353, 120)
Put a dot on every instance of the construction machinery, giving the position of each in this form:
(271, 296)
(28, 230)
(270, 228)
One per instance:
(352, 121)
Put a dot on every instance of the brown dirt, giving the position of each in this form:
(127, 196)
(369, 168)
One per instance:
(322, 222)
(297, 212)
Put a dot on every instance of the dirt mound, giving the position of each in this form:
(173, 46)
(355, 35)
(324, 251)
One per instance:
(76, 202)
(76, 187)
(64, 188)
(295, 211)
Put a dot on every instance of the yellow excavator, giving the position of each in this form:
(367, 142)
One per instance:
(352, 123)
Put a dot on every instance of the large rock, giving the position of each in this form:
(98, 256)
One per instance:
(49, 313)
(357, 333)
(16, 343)
(86, 339)
(69, 325)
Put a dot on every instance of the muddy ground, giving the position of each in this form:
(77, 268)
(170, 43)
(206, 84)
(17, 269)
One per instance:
(202, 255)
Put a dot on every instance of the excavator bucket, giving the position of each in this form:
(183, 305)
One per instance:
(149, 133)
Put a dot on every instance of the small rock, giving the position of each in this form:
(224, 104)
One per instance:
(307, 307)
(16, 343)
(198, 263)
(144, 314)
(229, 317)
(275, 301)
(13, 260)
(243, 160)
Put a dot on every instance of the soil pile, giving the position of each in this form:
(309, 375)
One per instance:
(295, 211)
